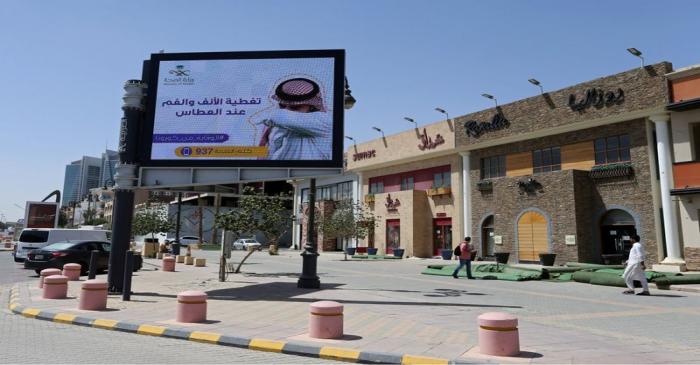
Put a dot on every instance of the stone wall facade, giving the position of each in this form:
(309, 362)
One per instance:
(692, 258)
(644, 89)
(572, 202)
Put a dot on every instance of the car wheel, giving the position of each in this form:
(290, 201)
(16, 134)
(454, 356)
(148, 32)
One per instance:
(84, 268)
(18, 260)
(38, 272)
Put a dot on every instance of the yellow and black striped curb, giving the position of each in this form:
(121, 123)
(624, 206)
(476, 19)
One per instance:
(259, 344)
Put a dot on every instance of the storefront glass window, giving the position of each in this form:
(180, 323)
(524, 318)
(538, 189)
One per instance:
(407, 183)
(494, 166)
(546, 160)
(612, 149)
(376, 187)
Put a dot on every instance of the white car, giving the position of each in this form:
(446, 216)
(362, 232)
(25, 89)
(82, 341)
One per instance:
(189, 240)
(245, 244)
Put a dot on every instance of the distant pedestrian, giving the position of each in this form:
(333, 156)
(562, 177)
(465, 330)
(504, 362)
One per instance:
(465, 257)
(635, 268)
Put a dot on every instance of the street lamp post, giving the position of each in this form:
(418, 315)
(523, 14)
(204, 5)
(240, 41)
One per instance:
(309, 274)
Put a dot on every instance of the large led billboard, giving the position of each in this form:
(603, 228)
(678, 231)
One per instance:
(268, 109)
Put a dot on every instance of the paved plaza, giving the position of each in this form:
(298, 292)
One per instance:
(390, 307)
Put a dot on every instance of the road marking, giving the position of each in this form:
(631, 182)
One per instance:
(336, 353)
(30, 312)
(107, 324)
(207, 337)
(266, 345)
(147, 329)
(411, 359)
(64, 318)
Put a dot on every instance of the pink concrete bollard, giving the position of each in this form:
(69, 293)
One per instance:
(168, 263)
(325, 319)
(72, 271)
(93, 295)
(55, 287)
(192, 306)
(47, 272)
(498, 334)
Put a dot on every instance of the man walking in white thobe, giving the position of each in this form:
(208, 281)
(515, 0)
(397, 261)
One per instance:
(635, 268)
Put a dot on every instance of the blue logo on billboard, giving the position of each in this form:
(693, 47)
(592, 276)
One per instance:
(179, 71)
(182, 76)
(186, 151)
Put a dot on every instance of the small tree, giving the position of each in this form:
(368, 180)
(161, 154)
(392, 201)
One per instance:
(256, 212)
(151, 221)
(350, 220)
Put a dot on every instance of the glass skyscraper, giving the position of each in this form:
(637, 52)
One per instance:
(81, 176)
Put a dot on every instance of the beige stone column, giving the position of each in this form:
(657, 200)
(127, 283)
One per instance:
(466, 195)
(663, 148)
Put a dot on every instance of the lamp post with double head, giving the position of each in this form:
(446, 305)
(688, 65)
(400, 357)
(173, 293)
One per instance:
(309, 278)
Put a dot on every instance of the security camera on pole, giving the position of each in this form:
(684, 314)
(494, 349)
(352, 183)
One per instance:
(125, 182)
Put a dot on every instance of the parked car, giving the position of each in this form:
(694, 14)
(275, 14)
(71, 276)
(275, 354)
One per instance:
(61, 253)
(245, 243)
(189, 240)
(36, 238)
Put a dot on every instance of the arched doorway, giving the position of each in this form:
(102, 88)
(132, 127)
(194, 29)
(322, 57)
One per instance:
(616, 227)
(487, 240)
(532, 236)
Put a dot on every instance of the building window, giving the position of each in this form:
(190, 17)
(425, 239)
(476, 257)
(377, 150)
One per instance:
(546, 160)
(407, 183)
(612, 149)
(442, 180)
(376, 187)
(345, 190)
(494, 166)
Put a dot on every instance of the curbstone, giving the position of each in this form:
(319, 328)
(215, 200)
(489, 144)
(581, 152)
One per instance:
(380, 358)
(258, 344)
(234, 341)
(126, 327)
(292, 348)
(82, 321)
(266, 345)
(178, 334)
(336, 353)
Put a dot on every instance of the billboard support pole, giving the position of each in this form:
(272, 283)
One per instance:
(125, 181)
(309, 278)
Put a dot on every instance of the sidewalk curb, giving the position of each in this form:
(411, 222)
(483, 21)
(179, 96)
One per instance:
(258, 344)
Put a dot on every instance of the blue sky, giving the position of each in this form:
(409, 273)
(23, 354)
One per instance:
(63, 63)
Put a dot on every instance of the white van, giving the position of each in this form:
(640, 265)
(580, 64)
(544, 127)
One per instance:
(33, 238)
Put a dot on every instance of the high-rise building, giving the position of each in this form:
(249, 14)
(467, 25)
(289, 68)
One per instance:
(109, 167)
(81, 176)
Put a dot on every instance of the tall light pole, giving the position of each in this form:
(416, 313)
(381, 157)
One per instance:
(411, 120)
(637, 53)
(489, 96)
(536, 83)
(441, 110)
(309, 278)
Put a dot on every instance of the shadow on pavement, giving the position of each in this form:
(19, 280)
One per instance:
(288, 292)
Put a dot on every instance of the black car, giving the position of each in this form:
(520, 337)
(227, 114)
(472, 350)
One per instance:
(61, 253)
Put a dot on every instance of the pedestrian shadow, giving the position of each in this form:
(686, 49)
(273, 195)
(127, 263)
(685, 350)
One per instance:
(446, 293)
(668, 295)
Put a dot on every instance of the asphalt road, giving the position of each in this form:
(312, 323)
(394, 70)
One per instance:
(11, 272)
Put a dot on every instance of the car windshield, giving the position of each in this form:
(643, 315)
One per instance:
(34, 236)
(250, 241)
(59, 246)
